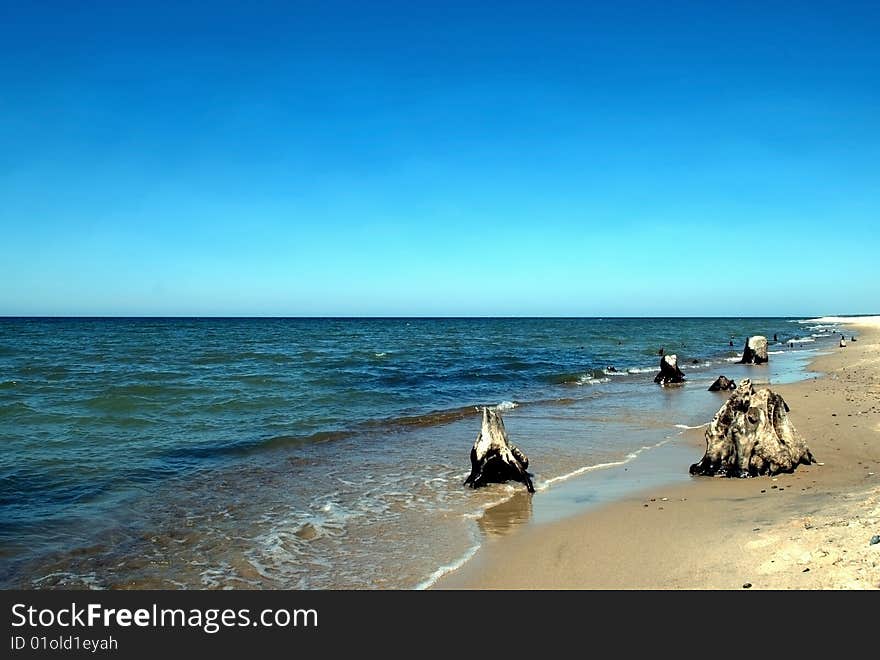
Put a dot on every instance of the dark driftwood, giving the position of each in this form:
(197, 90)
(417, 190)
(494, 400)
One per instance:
(722, 384)
(494, 458)
(669, 371)
(755, 351)
(751, 435)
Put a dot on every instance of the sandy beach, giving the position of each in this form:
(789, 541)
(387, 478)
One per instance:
(807, 530)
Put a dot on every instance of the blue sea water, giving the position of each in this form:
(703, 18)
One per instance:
(316, 453)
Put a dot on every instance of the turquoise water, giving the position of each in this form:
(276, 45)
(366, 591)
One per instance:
(315, 453)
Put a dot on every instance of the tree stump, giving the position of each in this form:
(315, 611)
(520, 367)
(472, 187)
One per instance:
(494, 458)
(669, 373)
(755, 351)
(752, 435)
(722, 384)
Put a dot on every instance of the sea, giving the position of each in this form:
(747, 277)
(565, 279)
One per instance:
(296, 453)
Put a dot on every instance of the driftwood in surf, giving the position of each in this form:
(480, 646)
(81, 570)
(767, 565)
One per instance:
(751, 435)
(494, 458)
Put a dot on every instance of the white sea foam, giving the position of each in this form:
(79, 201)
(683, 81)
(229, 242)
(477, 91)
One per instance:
(685, 426)
(66, 578)
(448, 568)
(775, 352)
(583, 470)
(544, 485)
(506, 405)
(472, 517)
(380, 354)
(641, 370)
(587, 379)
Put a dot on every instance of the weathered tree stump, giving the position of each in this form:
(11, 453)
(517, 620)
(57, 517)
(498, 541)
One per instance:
(494, 458)
(752, 435)
(755, 351)
(669, 372)
(722, 384)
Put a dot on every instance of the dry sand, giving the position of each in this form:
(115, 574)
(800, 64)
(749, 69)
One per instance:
(806, 530)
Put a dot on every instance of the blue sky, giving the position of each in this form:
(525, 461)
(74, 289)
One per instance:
(626, 158)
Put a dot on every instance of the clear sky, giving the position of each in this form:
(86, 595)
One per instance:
(413, 158)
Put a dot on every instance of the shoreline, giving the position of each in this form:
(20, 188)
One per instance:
(809, 529)
(399, 528)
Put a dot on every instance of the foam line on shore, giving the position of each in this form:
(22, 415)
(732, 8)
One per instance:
(428, 582)
(598, 466)
(448, 568)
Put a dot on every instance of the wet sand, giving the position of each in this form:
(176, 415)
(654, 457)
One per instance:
(806, 530)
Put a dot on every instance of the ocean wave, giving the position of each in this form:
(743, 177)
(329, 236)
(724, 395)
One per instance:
(432, 418)
(589, 379)
(222, 357)
(641, 370)
(593, 377)
(255, 445)
(686, 427)
(265, 380)
(252, 446)
(238, 404)
(121, 404)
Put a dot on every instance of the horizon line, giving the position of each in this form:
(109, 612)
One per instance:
(417, 317)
